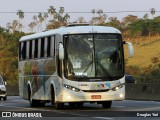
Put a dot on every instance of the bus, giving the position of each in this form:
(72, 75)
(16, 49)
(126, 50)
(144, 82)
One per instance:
(73, 65)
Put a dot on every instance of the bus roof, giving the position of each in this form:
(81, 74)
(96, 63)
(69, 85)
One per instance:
(72, 30)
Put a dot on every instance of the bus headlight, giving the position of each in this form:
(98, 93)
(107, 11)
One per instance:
(71, 88)
(117, 87)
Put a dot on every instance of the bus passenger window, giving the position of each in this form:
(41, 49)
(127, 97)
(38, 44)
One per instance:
(30, 49)
(20, 56)
(42, 47)
(24, 50)
(49, 47)
(52, 43)
(36, 49)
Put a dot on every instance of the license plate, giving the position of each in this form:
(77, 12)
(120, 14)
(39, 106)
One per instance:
(95, 96)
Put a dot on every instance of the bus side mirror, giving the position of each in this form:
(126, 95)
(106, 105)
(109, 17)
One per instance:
(61, 51)
(130, 49)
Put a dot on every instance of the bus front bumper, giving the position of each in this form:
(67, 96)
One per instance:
(71, 96)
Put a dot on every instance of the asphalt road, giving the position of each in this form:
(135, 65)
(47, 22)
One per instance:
(17, 108)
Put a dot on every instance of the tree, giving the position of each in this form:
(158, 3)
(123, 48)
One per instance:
(35, 18)
(93, 11)
(136, 28)
(59, 18)
(114, 22)
(129, 20)
(8, 54)
(36, 21)
(81, 20)
(66, 17)
(52, 11)
(145, 16)
(45, 16)
(152, 11)
(32, 25)
(20, 14)
(41, 19)
(100, 19)
(14, 26)
(8, 26)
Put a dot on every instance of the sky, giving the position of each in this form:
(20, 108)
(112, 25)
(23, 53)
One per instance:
(74, 6)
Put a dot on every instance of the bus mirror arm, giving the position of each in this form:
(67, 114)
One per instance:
(5, 83)
(61, 51)
(130, 48)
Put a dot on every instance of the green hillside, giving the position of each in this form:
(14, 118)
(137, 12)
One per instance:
(145, 65)
(146, 49)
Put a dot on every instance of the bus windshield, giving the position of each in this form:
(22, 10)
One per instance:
(94, 56)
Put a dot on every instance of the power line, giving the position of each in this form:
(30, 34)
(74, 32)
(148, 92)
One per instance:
(10, 12)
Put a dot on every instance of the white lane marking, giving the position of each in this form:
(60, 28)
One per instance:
(119, 106)
(106, 118)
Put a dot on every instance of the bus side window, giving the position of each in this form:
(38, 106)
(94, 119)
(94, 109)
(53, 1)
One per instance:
(30, 49)
(52, 46)
(49, 47)
(39, 48)
(33, 48)
(23, 52)
(42, 47)
(45, 46)
(36, 49)
(20, 56)
(27, 49)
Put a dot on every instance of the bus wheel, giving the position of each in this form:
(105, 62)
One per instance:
(59, 106)
(33, 103)
(42, 104)
(106, 104)
(5, 98)
(52, 96)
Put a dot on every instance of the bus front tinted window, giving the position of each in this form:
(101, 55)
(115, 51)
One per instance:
(94, 55)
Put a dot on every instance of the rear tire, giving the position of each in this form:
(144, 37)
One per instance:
(106, 104)
(33, 103)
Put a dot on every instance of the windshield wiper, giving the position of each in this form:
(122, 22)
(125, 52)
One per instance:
(104, 70)
(89, 64)
(101, 66)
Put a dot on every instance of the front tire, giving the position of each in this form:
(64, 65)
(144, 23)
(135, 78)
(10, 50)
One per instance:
(57, 105)
(5, 98)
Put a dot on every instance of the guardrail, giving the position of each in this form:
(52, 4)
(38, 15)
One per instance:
(12, 90)
(143, 91)
(133, 91)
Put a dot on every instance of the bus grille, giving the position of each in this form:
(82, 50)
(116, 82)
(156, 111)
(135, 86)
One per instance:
(105, 90)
